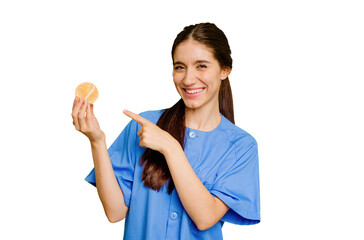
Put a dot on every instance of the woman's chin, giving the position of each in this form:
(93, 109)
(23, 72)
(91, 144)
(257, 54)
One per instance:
(192, 104)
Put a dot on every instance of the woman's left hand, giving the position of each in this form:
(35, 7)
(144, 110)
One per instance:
(151, 136)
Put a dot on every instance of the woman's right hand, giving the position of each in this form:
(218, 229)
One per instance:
(88, 124)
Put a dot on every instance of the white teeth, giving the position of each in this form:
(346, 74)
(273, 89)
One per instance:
(194, 91)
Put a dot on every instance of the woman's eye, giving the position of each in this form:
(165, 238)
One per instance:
(178, 67)
(202, 66)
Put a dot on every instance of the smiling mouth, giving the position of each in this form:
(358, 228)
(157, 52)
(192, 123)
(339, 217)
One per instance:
(193, 91)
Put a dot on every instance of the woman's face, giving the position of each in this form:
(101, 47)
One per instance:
(197, 75)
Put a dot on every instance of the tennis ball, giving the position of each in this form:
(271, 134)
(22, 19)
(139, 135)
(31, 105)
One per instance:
(87, 92)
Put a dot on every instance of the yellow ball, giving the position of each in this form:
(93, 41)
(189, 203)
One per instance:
(87, 92)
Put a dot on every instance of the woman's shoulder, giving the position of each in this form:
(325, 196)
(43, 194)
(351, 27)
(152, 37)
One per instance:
(240, 140)
(237, 135)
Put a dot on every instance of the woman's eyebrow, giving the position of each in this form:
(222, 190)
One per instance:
(196, 62)
(178, 62)
(202, 61)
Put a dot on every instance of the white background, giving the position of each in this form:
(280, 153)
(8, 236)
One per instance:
(297, 75)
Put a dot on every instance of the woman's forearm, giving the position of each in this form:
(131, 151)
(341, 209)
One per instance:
(198, 202)
(109, 191)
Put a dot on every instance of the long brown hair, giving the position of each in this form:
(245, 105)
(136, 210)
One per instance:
(156, 173)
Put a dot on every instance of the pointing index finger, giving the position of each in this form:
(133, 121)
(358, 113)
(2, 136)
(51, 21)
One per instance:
(139, 119)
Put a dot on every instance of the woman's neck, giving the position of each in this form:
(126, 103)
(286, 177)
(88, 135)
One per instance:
(203, 119)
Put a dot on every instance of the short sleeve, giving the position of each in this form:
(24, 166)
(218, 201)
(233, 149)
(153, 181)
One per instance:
(122, 155)
(239, 188)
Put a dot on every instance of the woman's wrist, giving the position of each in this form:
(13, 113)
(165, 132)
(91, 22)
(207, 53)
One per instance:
(98, 141)
(171, 147)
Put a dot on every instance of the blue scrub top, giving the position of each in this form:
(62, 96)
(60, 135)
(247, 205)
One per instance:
(225, 160)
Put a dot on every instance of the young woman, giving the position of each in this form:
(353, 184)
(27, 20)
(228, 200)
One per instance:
(180, 173)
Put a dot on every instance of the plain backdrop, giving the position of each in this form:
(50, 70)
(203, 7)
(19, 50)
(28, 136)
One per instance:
(297, 85)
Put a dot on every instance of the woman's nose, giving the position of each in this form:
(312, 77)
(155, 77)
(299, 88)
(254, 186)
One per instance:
(190, 78)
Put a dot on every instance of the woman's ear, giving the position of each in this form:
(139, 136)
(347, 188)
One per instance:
(225, 72)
